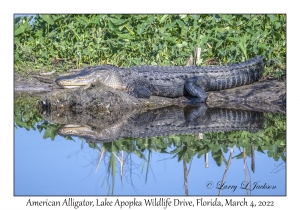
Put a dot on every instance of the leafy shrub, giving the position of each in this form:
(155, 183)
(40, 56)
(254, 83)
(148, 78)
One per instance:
(126, 40)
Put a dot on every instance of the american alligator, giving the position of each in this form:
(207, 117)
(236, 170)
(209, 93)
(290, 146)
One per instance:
(101, 98)
(171, 82)
(261, 96)
(172, 120)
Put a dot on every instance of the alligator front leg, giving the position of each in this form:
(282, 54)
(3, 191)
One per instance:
(195, 87)
(84, 88)
(140, 92)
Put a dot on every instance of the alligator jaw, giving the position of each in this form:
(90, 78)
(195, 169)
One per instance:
(79, 130)
(64, 83)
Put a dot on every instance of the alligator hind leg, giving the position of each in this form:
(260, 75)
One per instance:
(195, 87)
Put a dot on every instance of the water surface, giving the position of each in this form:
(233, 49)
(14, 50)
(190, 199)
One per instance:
(170, 165)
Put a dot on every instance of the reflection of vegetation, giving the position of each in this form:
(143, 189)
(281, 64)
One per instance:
(28, 117)
(271, 138)
(126, 40)
(24, 115)
(183, 147)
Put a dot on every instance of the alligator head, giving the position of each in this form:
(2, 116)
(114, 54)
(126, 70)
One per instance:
(84, 131)
(105, 74)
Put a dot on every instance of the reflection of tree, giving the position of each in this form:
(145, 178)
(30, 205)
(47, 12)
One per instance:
(226, 170)
(252, 159)
(185, 175)
(100, 158)
(245, 171)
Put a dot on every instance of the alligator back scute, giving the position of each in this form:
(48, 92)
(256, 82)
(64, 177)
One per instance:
(235, 75)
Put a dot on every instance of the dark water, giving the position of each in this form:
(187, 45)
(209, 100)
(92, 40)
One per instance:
(225, 163)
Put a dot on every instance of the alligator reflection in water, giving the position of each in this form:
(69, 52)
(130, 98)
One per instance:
(173, 120)
(133, 158)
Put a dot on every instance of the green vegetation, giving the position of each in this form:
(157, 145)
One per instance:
(28, 117)
(24, 114)
(70, 41)
(271, 139)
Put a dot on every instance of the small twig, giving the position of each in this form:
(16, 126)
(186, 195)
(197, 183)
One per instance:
(117, 157)
(208, 45)
(28, 73)
(44, 80)
(197, 55)
(200, 136)
(189, 61)
(206, 160)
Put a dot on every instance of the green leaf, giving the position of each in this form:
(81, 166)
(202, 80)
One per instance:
(171, 39)
(141, 28)
(260, 149)
(150, 19)
(239, 156)
(226, 17)
(117, 21)
(180, 23)
(277, 25)
(219, 44)
(283, 157)
(139, 154)
(272, 17)
(196, 17)
(21, 29)
(50, 133)
(181, 45)
(126, 36)
(162, 20)
(48, 19)
(218, 157)
(170, 25)
(16, 40)
(233, 39)
(262, 46)
(112, 27)
(175, 151)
